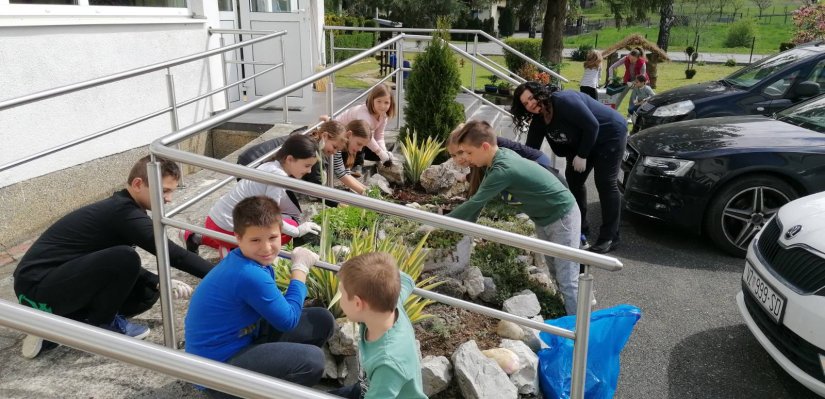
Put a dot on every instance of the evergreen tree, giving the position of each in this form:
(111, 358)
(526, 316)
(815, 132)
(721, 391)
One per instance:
(431, 90)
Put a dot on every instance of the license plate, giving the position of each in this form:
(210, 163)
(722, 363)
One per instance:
(765, 295)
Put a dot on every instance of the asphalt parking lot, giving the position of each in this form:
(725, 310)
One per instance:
(691, 341)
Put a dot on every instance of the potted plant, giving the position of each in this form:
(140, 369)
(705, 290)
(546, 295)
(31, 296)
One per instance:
(692, 56)
(504, 88)
(492, 87)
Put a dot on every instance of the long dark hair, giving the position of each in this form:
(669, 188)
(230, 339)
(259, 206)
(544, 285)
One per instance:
(522, 117)
(299, 146)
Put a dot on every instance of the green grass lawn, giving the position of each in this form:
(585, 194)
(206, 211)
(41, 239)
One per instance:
(670, 75)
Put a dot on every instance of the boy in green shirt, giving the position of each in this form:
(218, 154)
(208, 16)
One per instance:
(373, 293)
(549, 204)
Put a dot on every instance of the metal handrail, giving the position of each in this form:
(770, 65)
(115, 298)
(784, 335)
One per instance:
(466, 31)
(180, 365)
(34, 97)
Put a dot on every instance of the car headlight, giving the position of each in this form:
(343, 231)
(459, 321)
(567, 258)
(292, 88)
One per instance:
(675, 109)
(669, 166)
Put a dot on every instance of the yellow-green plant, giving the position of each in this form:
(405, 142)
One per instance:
(419, 156)
(323, 284)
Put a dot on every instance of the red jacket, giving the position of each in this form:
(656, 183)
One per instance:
(637, 69)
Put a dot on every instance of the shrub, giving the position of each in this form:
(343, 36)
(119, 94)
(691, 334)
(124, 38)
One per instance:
(342, 221)
(580, 54)
(419, 156)
(786, 46)
(528, 47)
(354, 40)
(730, 62)
(809, 22)
(506, 22)
(431, 109)
(740, 33)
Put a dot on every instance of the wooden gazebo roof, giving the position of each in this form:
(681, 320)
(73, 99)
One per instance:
(633, 41)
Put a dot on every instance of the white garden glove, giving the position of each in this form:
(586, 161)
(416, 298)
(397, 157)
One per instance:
(181, 290)
(579, 164)
(303, 259)
(300, 230)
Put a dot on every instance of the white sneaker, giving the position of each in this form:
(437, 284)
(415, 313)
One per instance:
(31, 346)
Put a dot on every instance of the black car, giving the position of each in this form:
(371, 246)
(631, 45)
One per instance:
(762, 88)
(726, 176)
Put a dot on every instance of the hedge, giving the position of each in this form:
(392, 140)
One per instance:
(528, 47)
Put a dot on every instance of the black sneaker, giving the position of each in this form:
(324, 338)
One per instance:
(192, 240)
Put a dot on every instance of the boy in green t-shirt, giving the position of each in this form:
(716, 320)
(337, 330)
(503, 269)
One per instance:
(373, 292)
(544, 198)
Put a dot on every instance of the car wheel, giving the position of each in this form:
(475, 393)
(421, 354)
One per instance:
(740, 209)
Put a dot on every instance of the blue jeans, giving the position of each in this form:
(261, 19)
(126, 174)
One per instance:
(565, 231)
(294, 355)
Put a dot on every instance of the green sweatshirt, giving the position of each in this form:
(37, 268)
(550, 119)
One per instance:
(543, 196)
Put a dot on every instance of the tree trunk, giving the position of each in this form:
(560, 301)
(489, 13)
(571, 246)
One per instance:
(666, 20)
(552, 36)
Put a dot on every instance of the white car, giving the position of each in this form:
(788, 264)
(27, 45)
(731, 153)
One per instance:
(783, 290)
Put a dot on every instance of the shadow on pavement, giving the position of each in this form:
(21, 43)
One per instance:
(728, 362)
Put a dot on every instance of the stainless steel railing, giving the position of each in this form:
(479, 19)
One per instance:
(171, 109)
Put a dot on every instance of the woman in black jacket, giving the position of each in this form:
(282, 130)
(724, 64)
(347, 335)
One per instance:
(590, 135)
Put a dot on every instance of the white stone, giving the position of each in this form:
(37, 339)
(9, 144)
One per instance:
(474, 282)
(450, 261)
(394, 173)
(490, 291)
(522, 216)
(330, 365)
(523, 304)
(532, 336)
(340, 250)
(348, 370)
(447, 179)
(508, 329)
(380, 182)
(480, 377)
(543, 280)
(413, 205)
(344, 340)
(505, 358)
(436, 374)
(526, 377)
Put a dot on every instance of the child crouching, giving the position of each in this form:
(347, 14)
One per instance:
(373, 293)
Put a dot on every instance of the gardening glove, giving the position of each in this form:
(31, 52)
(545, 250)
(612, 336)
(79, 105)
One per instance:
(388, 159)
(579, 164)
(303, 259)
(307, 228)
(181, 290)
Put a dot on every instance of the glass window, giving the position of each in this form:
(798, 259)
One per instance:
(755, 73)
(139, 3)
(61, 2)
(779, 88)
(270, 5)
(225, 5)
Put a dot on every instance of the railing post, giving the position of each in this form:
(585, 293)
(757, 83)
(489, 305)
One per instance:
(223, 68)
(582, 332)
(330, 171)
(283, 81)
(161, 252)
(399, 81)
(475, 54)
(170, 89)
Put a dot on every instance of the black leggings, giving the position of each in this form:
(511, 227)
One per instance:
(591, 91)
(95, 287)
(365, 153)
(605, 161)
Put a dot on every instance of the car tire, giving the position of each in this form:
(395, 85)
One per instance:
(741, 208)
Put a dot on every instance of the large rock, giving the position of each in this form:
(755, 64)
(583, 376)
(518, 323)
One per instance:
(436, 374)
(447, 179)
(395, 172)
(480, 377)
(505, 358)
(348, 370)
(531, 336)
(490, 290)
(380, 182)
(344, 340)
(474, 282)
(330, 365)
(450, 287)
(524, 304)
(508, 329)
(450, 261)
(526, 377)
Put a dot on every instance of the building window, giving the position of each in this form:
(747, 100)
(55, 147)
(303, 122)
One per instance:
(61, 2)
(139, 3)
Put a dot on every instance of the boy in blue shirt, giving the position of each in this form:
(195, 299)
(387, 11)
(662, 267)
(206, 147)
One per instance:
(238, 315)
(373, 293)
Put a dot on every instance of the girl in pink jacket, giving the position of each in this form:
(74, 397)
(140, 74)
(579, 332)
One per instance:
(379, 107)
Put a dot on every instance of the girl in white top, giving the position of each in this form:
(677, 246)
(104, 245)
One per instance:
(294, 159)
(376, 111)
(592, 74)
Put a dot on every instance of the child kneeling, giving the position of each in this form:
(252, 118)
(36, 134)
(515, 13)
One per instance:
(239, 316)
(373, 293)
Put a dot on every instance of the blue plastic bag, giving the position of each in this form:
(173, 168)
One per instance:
(609, 331)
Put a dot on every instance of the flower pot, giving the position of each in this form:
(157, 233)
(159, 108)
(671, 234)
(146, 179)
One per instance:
(492, 89)
(690, 73)
(504, 91)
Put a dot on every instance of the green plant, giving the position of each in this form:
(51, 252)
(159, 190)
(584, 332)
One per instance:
(419, 156)
(504, 86)
(506, 22)
(493, 79)
(580, 54)
(528, 47)
(730, 62)
(740, 33)
(343, 220)
(431, 108)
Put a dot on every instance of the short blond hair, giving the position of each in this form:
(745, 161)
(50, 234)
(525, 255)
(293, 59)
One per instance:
(374, 278)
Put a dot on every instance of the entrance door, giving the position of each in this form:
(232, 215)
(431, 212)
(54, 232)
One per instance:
(274, 15)
(229, 20)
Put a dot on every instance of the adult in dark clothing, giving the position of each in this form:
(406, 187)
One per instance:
(589, 135)
(84, 267)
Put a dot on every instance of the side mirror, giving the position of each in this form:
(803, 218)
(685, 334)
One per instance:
(807, 88)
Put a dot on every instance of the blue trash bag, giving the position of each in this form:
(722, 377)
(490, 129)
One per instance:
(609, 331)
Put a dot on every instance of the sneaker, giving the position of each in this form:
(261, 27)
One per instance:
(34, 345)
(584, 244)
(191, 240)
(122, 326)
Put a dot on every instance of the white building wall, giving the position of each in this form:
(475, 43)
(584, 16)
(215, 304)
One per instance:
(36, 58)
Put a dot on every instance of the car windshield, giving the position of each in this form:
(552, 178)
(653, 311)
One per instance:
(809, 115)
(755, 73)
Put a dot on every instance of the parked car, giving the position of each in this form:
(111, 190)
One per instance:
(783, 290)
(726, 177)
(762, 88)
